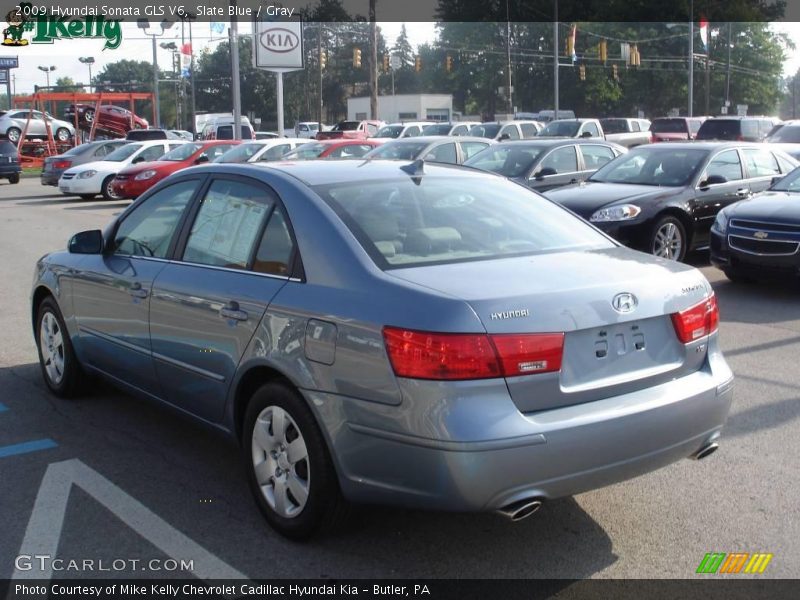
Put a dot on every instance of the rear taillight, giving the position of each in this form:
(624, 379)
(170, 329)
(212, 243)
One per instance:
(62, 164)
(453, 356)
(698, 321)
(653, 138)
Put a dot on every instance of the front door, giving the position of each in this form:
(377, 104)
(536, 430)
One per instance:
(559, 167)
(710, 199)
(112, 291)
(207, 305)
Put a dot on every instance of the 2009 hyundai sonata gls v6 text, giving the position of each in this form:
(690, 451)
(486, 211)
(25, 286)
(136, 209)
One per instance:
(410, 334)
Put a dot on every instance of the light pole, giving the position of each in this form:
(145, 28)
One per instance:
(173, 47)
(88, 61)
(47, 70)
(144, 25)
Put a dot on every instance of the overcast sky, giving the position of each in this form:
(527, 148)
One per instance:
(64, 54)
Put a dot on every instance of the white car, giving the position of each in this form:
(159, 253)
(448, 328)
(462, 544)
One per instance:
(260, 150)
(406, 129)
(307, 129)
(94, 178)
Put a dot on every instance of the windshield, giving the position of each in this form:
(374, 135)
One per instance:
(123, 153)
(182, 152)
(239, 154)
(486, 130)
(790, 183)
(390, 131)
(400, 150)
(788, 134)
(346, 126)
(305, 152)
(440, 129)
(438, 220)
(672, 167)
(561, 129)
(614, 125)
(510, 161)
(668, 126)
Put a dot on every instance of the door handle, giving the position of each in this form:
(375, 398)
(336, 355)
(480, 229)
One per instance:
(742, 192)
(137, 291)
(231, 311)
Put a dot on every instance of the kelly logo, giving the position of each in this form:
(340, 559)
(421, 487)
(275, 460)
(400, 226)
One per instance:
(736, 562)
(47, 28)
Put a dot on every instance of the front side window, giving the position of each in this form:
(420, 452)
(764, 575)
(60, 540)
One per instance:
(123, 153)
(274, 153)
(725, 164)
(403, 223)
(528, 130)
(240, 153)
(227, 225)
(470, 149)
(592, 129)
(446, 153)
(150, 227)
(561, 160)
(561, 129)
(182, 152)
(399, 150)
(511, 132)
(790, 183)
(506, 159)
(151, 153)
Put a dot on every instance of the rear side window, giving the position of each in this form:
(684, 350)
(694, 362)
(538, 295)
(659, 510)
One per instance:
(152, 153)
(274, 254)
(761, 163)
(635, 126)
(228, 224)
(786, 165)
(528, 130)
(437, 220)
(446, 153)
(595, 156)
(470, 149)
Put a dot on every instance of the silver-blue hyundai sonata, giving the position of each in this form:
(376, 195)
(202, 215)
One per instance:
(390, 332)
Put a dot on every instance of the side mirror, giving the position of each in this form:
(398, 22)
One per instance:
(775, 180)
(86, 242)
(546, 172)
(505, 136)
(138, 159)
(586, 134)
(712, 180)
(203, 158)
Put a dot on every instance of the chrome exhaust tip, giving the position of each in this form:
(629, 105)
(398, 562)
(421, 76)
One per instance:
(705, 451)
(516, 511)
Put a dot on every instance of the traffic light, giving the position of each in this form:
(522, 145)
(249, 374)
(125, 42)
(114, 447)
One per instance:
(603, 51)
(615, 72)
(417, 64)
(448, 63)
(356, 58)
(323, 59)
(582, 72)
(386, 63)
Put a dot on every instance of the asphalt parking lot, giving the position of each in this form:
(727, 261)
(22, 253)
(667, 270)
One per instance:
(108, 477)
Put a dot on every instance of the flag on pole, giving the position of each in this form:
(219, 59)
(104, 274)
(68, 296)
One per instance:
(573, 33)
(186, 60)
(704, 32)
(217, 27)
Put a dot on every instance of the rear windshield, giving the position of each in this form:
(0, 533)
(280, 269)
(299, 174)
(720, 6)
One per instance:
(788, 134)
(726, 129)
(668, 126)
(400, 150)
(441, 220)
(346, 126)
(614, 125)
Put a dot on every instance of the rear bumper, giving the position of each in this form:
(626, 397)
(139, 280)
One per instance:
(435, 459)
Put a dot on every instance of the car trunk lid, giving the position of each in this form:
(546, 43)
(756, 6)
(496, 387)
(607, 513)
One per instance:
(607, 350)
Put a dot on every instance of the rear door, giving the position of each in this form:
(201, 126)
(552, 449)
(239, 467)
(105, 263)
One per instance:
(232, 258)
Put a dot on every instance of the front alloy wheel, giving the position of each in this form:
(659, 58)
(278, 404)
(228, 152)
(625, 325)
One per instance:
(108, 189)
(60, 368)
(669, 239)
(13, 134)
(51, 342)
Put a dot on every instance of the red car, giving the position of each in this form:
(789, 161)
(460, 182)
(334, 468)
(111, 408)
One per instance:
(137, 179)
(333, 149)
(669, 129)
(109, 118)
(351, 130)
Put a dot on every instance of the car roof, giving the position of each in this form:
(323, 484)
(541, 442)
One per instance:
(325, 172)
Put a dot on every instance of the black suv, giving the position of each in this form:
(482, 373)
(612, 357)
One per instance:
(9, 162)
(737, 129)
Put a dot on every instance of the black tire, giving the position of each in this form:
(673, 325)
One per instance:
(13, 178)
(72, 376)
(324, 507)
(63, 134)
(736, 276)
(108, 194)
(668, 239)
(13, 134)
(87, 196)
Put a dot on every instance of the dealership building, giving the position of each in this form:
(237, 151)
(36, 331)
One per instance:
(404, 107)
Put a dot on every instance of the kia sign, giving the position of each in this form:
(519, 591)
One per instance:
(278, 45)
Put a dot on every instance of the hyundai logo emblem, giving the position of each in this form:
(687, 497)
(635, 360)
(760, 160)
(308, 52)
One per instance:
(624, 302)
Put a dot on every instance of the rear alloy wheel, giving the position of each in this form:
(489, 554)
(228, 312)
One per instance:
(63, 134)
(88, 116)
(13, 178)
(13, 134)
(288, 465)
(668, 239)
(107, 190)
(60, 368)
